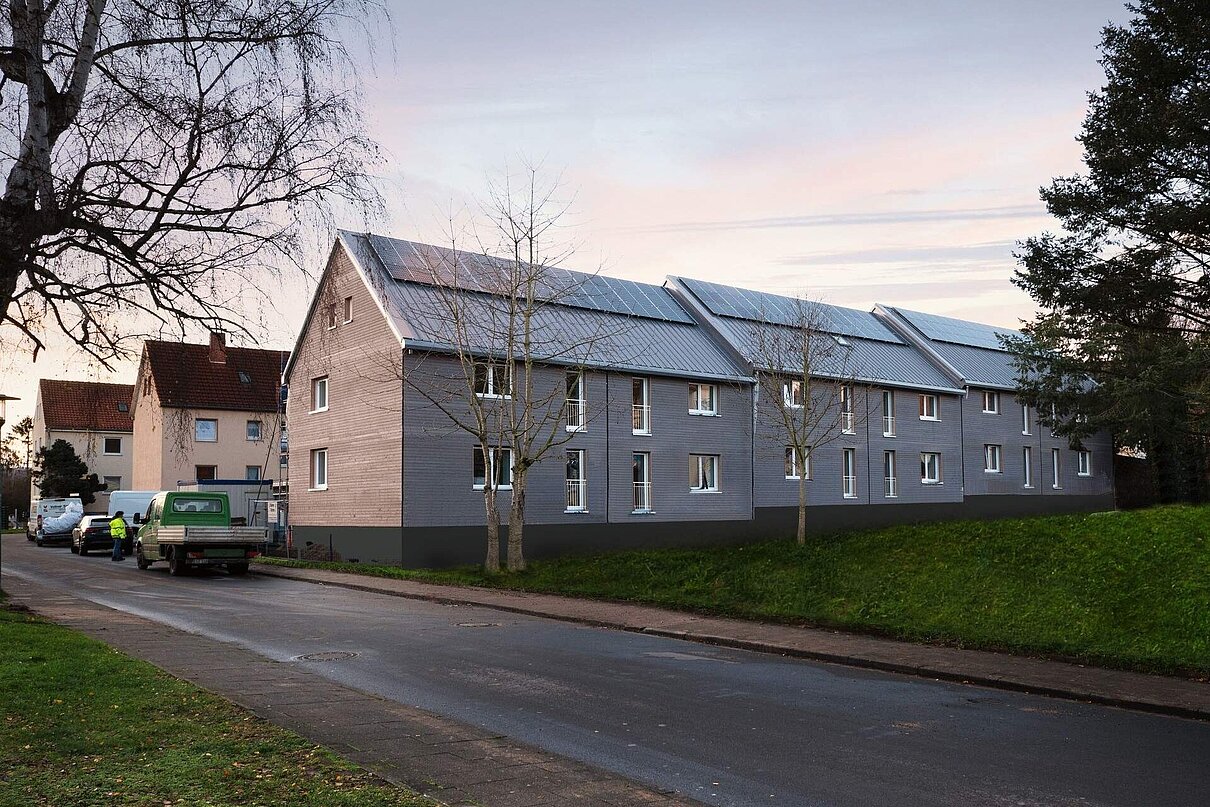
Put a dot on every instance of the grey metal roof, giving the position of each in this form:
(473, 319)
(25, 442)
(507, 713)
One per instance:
(973, 349)
(662, 340)
(979, 366)
(957, 331)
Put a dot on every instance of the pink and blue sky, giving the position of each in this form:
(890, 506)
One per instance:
(860, 152)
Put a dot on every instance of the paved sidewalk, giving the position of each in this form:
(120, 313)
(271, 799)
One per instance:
(449, 761)
(1148, 693)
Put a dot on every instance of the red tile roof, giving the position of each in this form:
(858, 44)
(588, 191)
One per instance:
(85, 405)
(186, 378)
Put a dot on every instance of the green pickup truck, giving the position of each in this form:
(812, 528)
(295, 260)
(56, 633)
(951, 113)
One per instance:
(189, 529)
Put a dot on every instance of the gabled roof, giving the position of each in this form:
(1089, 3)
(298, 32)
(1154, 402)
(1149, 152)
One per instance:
(874, 352)
(185, 377)
(85, 406)
(584, 319)
(973, 350)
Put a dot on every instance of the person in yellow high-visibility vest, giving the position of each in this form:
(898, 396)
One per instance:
(117, 530)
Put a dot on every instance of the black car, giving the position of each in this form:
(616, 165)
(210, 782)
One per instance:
(91, 533)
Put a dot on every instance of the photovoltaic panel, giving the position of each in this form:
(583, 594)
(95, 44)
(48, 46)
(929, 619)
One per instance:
(758, 306)
(957, 331)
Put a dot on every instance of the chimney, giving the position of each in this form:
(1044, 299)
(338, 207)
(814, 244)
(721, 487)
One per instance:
(218, 347)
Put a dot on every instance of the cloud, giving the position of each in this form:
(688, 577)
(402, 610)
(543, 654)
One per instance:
(855, 219)
(1000, 251)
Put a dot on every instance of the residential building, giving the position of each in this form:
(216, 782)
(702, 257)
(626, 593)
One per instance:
(661, 440)
(95, 418)
(205, 412)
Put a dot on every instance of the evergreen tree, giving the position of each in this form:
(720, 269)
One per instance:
(59, 472)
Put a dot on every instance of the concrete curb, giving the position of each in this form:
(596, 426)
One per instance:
(1144, 700)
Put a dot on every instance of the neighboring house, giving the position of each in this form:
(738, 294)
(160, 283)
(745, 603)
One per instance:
(95, 418)
(379, 473)
(206, 412)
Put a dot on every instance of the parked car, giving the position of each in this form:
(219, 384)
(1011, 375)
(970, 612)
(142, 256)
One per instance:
(188, 529)
(91, 533)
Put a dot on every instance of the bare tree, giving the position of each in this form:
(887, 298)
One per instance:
(808, 393)
(157, 156)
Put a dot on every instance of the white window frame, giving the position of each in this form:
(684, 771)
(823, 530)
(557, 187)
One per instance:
(787, 393)
(890, 475)
(316, 385)
(332, 318)
(698, 463)
(640, 410)
(117, 485)
(1027, 460)
(198, 422)
(256, 478)
(935, 458)
(348, 310)
(1056, 470)
(925, 398)
(797, 466)
(1026, 425)
(492, 461)
(260, 431)
(576, 489)
(888, 413)
(646, 484)
(993, 458)
(695, 398)
(1084, 462)
(991, 402)
(846, 409)
(319, 469)
(492, 370)
(848, 471)
(577, 408)
(105, 447)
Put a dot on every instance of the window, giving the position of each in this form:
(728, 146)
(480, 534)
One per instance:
(888, 413)
(331, 317)
(577, 483)
(703, 472)
(703, 399)
(1026, 426)
(991, 402)
(205, 472)
(319, 469)
(991, 459)
(348, 310)
(502, 468)
(1027, 456)
(244, 378)
(846, 408)
(641, 409)
(791, 393)
(930, 468)
(797, 466)
(1054, 419)
(205, 430)
(642, 482)
(1084, 463)
(850, 473)
(251, 472)
(1055, 469)
(181, 504)
(840, 340)
(113, 483)
(113, 445)
(123, 407)
(577, 406)
(928, 407)
(319, 394)
(493, 380)
(253, 430)
(890, 480)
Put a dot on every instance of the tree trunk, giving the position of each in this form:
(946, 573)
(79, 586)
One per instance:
(491, 562)
(802, 506)
(516, 524)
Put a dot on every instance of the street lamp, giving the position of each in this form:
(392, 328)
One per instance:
(4, 399)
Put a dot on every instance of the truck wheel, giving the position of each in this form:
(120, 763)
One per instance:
(176, 565)
(238, 569)
(139, 560)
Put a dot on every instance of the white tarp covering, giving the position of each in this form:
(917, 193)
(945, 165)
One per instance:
(65, 522)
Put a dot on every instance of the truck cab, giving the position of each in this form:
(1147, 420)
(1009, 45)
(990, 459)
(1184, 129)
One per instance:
(190, 529)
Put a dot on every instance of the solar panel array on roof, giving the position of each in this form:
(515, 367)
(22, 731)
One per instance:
(422, 263)
(957, 331)
(758, 306)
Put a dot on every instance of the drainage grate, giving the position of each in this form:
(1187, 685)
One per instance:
(478, 624)
(331, 655)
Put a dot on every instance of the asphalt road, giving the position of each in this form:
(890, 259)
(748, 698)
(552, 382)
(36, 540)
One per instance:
(726, 727)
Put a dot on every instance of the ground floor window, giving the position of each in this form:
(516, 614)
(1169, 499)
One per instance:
(703, 472)
(501, 464)
(890, 481)
(930, 468)
(1055, 470)
(577, 482)
(1028, 457)
(206, 472)
(642, 481)
(797, 466)
(1084, 463)
(991, 459)
(850, 473)
(251, 472)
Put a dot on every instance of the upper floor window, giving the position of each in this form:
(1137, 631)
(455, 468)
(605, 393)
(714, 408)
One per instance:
(205, 430)
(251, 472)
(641, 408)
(1084, 463)
(888, 413)
(1054, 419)
(205, 473)
(348, 310)
(253, 430)
(319, 394)
(501, 466)
(928, 406)
(331, 316)
(494, 380)
(703, 399)
(703, 472)
(577, 405)
(113, 445)
(797, 465)
(846, 408)
(1026, 424)
(791, 393)
(991, 402)
(930, 468)
(991, 459)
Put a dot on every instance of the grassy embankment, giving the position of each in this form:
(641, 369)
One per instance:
(1128, 589)
(80, 729)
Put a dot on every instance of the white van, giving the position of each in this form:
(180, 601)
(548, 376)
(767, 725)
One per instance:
(133, 503)
(46, 508)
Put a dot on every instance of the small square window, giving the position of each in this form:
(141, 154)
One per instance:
(206, 472)
(113, 483)
(244, 378)
(930, 468)
(991, 402)
(991, 459)
(928, 407)
(703, 472)
(123, 407)
(205, 430)
(703, 399)
(797, 466)
(254, 430)
(251, 472)
(113, 446)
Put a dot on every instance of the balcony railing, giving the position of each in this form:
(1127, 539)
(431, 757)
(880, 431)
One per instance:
(892, 487)
(850, 487)
(846, 422)
(888, 425)
(641, 419)
(576, 408)
(642, 497)
(577, 495)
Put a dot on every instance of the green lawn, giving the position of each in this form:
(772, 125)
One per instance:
(85, 725)
(1127, 589)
